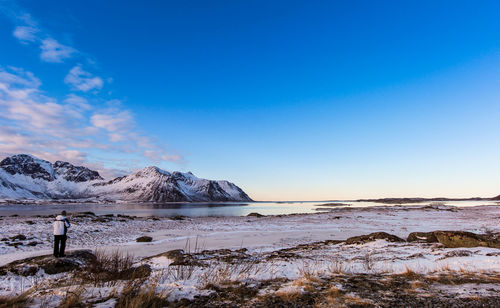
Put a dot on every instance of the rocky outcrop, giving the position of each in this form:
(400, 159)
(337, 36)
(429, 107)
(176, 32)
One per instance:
(372, 237)
(49, 264)
(427, 237)
(455, 239)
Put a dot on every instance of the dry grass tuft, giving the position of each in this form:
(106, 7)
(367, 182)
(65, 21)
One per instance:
(368, 261)
(17, 301)
(351, 300)
(220, 272)
(73, 298)
(107, 267)
(410, 274)
(336, 267)
(137, 295)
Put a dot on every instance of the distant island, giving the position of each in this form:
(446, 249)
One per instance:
(418, 200)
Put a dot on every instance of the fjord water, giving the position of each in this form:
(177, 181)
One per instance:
(205, 209)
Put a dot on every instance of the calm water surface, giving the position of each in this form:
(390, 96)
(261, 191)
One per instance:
(201, 209)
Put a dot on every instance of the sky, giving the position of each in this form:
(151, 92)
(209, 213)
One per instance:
(290, 100)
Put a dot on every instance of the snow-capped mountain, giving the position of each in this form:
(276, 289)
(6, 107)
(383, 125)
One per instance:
(27, 177)
(154, 184)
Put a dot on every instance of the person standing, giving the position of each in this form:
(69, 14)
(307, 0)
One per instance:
(61, 226)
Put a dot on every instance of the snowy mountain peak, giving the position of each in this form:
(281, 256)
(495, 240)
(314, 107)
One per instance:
(28, 165)
(151, 171)
(73, 173)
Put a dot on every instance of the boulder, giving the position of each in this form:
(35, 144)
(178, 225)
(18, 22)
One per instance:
(255, 215)
(142, 239)
(372, 237)
(179, 257)
(19, 237)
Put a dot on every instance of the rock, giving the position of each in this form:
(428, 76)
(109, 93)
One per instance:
(144, 239)
(427, 237)
(34, 243)
(179, 257)
(85, 214)
(51, 265)
(372, 237)
(126, 216)
(178, 217)
(454, 239)
(456, 253)
(175, 254)
(141, 271)
(30, 222)
(255, 215)
(19, 237)
(101, 219)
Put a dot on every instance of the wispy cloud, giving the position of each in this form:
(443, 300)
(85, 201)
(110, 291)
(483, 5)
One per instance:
(28, 31)
(26, 34)
(70, 129)
(53, 51)
(81, 80)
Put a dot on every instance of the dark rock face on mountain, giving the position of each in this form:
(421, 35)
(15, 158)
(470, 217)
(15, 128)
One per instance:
(35, 168)
(28, 165)
(75, 173)
(496, 198)
(27, 177)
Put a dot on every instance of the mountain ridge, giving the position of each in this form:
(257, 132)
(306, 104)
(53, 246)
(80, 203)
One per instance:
(25, 176)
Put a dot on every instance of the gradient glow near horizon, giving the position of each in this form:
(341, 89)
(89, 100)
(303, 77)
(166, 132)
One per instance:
(290, 100)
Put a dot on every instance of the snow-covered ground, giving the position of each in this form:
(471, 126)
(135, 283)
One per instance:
(288, 247)
(264, 233)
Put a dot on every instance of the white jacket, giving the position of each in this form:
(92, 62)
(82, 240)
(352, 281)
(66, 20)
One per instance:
(60, 225)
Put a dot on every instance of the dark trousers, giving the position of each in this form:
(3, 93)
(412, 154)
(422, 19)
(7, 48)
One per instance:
(59, 245)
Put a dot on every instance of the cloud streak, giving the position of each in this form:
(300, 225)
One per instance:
(25, 34)
(27, 31)
(55, 52)
(81, 80)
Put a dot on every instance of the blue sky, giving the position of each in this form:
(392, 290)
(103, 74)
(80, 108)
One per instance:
(291, 100)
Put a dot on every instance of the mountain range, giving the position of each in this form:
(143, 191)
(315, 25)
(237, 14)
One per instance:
(26, 177)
